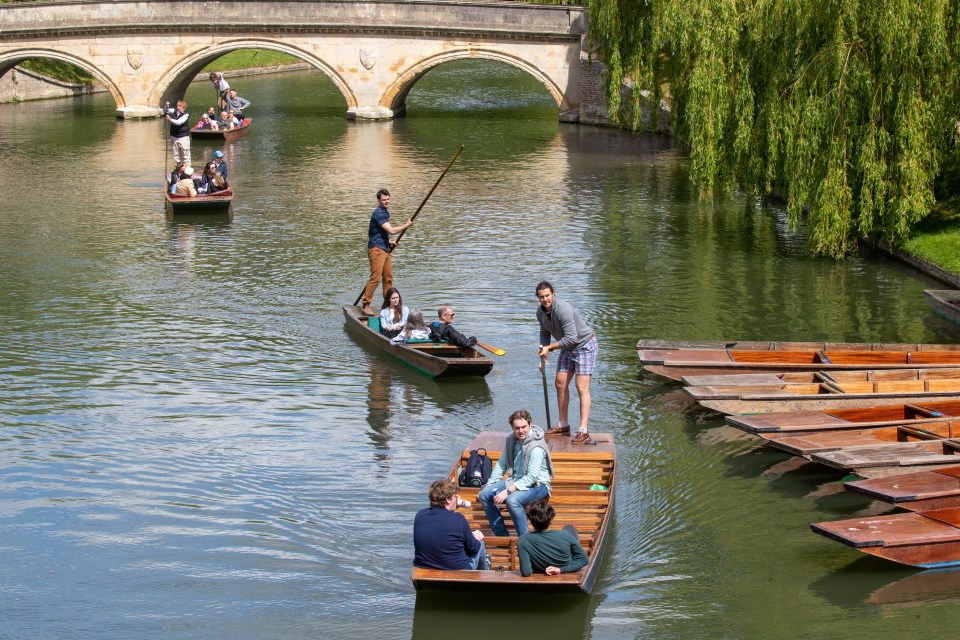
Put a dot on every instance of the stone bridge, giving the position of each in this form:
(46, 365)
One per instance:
(148, 51)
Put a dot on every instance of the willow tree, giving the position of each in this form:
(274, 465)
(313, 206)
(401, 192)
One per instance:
(844, 106)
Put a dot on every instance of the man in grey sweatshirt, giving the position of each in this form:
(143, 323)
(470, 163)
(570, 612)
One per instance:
(562, 328)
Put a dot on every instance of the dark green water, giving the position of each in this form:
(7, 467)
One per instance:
(191, 446)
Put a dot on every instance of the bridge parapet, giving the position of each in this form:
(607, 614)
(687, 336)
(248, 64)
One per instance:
(146, 51)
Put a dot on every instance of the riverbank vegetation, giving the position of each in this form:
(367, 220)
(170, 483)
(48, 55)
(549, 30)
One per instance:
(847, 107)
(250, 59)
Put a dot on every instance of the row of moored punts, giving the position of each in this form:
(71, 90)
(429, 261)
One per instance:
(889, 413)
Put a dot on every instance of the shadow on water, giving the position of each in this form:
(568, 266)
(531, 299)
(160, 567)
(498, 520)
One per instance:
(873, 581)
(479, 615)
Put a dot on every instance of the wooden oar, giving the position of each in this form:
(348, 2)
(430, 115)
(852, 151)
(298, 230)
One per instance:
(494, 350)
(416, 213)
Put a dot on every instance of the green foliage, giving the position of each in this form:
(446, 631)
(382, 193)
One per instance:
(250, 59)
(62, 71)
(846, 107)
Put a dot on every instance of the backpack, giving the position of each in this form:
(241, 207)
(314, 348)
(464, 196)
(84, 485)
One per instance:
(477, 470)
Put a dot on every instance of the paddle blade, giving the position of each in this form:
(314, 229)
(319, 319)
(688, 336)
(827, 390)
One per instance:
(494, 350)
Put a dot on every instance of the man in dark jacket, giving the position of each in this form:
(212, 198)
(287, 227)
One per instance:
(443, 329)
(179, 121)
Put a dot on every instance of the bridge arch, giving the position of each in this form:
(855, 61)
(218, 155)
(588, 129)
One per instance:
(395, 96)
(175, 81)
(11, 59)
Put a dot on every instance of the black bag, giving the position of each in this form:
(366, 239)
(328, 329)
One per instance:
(477, 471)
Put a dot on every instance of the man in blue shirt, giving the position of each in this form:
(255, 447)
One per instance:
(442, 538)
(379, 247)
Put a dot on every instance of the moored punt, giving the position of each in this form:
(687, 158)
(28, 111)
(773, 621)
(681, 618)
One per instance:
(768, 345)
(206, 203)
(222, 135)
(436, 359)
(945, 302)
(918, 491)
(928, 539)
(675, 364)
(839, 419)
(880, 460)
(576, 469)
(824, 395)
(809, 377)
(807, 443)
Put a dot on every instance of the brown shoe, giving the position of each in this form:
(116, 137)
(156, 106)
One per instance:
(368, 310)
(557, 430)
(582, 437)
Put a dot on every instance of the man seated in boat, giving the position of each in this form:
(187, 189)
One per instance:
(442, 538)
(525, 460)
(549, 552)
(443, 330)
(206, 124)
(228, 120)
(186, 186)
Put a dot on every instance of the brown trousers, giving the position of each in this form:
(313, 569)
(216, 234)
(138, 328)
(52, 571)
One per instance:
(381, 268)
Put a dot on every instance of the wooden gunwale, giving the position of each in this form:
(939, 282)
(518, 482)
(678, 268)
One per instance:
(576, 468)
(439, 360)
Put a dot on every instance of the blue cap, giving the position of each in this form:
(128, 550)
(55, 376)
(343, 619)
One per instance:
(218, 154)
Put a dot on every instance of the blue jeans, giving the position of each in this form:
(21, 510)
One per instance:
(516, 501)
(479, 560)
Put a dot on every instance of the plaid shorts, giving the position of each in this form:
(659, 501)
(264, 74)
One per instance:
(582, 360)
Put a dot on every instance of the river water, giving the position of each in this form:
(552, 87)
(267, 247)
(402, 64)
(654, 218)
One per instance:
(191, 445)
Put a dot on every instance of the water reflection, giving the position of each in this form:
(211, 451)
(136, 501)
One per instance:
(872, 581)
(437, 613)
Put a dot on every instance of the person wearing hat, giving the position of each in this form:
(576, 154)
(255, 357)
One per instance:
(220, 163)
(186, 186)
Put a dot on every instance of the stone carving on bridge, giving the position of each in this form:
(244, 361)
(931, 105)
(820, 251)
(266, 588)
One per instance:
(368, 58)
(135, 57)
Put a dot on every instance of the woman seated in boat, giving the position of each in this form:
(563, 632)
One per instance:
(206, 124)
(175, 176)
(210, 181)
(549, 552)
(393, 315)
(415, 329)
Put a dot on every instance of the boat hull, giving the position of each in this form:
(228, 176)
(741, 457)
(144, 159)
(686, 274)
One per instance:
(438, 360)
(945, 302)
(203, 135)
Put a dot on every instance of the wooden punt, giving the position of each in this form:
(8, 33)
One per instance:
(874, 461)
(928, 539)
(807, 443)
(774, 345)
(945, 302)
(809, 377)
(823, 395)
(436, 359)
(576, 469)
(219, 201)
(675, 363)
(918, 491)
(840, 419)
(222, 135)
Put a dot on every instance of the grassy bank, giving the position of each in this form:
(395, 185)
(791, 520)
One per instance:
(250, 59)
(937, 237)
